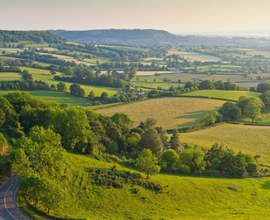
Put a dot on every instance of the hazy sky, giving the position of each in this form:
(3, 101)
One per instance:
(176, 16)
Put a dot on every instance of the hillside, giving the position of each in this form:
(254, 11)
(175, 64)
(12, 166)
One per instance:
(121, 36)
(35, 36)
(183, 197)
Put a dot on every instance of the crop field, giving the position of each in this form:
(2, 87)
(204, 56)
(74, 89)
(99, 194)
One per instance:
(169, 112)
(248, 139)
(258, 52)
(10, 76)
(222, 94)
(59, 97)
(183, 197)
(47, 77)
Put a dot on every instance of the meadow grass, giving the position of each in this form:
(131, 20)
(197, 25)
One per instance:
(169, 112)
(222, 94)
(193, 55)
(59, 97)
(47, 77)
(155, 85)
(10, 76)
(183, 197)
(248, 139)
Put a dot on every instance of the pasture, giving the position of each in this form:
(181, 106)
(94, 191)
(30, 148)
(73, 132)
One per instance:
(183, 197)
(152, 73)
(193, 56)
(59, 97)
(222, 94)
(10, 76)
(66, 58)
(170, 113)
(155, 85)
(248, 139)
(47, 77)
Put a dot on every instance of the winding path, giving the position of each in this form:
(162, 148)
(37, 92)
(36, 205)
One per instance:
(8, 207)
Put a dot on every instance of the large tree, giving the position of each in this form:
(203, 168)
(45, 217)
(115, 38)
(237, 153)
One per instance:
(147, 163)
(169, 159)
(175, 142)
(150, 139)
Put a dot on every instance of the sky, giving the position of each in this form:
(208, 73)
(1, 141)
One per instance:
(175, 16)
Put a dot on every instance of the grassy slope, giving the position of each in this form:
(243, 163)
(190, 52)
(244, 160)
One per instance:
(87, 88)
(249, 139)
(184, 198)
(169, 112)
(9, 76)
(59, 97)
(222, 94)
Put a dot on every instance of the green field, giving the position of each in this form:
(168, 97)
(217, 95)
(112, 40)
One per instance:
(59, 97)
(248, 139)
(222, 94)
(10, 76)
(183, 197)
(193, 55)
(155, 85)
(47, 77)
(169, 112)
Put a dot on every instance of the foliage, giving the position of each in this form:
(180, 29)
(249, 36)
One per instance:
(147, 163)
(169, 159)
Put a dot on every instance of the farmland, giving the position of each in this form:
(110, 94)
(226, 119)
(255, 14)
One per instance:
(222, 94)
(169, 112)
(45, 76)
(9, 76)
(249, 139)
(55, 96)
(193, 56)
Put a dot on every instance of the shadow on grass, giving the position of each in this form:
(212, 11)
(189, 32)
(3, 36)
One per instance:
(197, 115)
(266, 185)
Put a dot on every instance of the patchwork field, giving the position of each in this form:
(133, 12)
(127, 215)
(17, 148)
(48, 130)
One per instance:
(183, 197)
(10, 76)
(193, 56)
(248, 139)
(66, 58)
(151, 73)
(59, 97)
(155, 85)
(47, 77)
(222, 94)
(169, 112)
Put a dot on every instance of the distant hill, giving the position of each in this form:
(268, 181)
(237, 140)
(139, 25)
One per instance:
(122, 36)
(35, 36)
(151, 37)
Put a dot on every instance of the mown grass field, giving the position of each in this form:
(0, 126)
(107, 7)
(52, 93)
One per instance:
(183, 197)
(248, 139)
(169, 112)
(59, 97)
(10, 76)
(222, 94)
(47, 77)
